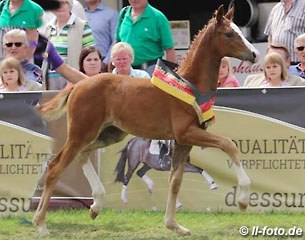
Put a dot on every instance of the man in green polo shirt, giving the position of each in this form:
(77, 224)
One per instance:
(148, 31)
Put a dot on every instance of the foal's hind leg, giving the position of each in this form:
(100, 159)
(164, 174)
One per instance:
(54, 171)
(107, 137)
(180, 156)
(97, 187)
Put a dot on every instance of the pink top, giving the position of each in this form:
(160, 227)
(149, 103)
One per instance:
(230, 80)
(266, 83)
(20, 89)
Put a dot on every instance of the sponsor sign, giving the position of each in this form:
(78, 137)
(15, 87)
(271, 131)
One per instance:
(267, 126)
(26, 145)
(24, 151)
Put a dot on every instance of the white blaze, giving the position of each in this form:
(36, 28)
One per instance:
(246, 42)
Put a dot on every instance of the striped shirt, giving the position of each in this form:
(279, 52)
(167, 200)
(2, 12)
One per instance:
(285, 27)
(60, 38)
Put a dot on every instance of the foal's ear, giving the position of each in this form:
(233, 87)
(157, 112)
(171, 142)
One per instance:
(230, 13)
(219, 13)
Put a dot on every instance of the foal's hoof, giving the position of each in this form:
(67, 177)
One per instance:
(150, 191)
(42, 230)
(243, 200)
(182, 231)
(242, 206)
(93, 214)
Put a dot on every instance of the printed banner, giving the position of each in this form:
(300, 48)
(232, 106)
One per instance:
(24, 151)
(26, 145)
(267, 125)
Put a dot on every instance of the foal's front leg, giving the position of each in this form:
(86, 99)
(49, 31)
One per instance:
(180, 156)
(198, 137)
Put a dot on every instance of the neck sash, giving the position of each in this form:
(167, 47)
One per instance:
(170, 82)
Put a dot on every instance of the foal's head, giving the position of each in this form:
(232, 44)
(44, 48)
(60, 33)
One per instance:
(229, 40)
(219, 38)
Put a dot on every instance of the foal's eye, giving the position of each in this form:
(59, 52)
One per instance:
(229, 34)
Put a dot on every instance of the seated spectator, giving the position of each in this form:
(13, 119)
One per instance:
(255, 80)
(90, 61)
(122, 56)
(275, 71)
(45, 54)
(12, 76)
(225, 77)
(69, 34)
(23, 14)
(16, 44)
(299, 45)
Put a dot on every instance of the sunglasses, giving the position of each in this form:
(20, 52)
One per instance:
(301, 48)
(17, 44)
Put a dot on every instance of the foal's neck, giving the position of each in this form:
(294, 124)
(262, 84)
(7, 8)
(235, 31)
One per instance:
(202, 63)
(202, 70)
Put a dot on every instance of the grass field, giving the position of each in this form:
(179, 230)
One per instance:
(148, 225)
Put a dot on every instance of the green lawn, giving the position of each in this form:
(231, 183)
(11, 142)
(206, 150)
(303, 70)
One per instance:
(127, 225)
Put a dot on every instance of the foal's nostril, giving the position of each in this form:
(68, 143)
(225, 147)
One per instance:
(254, 55)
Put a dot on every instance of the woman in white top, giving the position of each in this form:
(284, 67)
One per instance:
(122, 56)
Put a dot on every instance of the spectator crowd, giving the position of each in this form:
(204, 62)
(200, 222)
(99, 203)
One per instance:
(80, 39)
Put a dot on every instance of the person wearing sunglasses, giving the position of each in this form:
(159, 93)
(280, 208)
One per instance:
(299, 69)
(15, 44)
(47, 55)
(23, 14)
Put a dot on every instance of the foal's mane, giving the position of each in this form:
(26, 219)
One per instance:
(201, 32)
(196, 43)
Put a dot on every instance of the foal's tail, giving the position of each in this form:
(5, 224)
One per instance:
(120, 167)
(56, 107)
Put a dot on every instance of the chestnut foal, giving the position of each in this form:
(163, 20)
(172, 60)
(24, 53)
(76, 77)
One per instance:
(103, 109)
